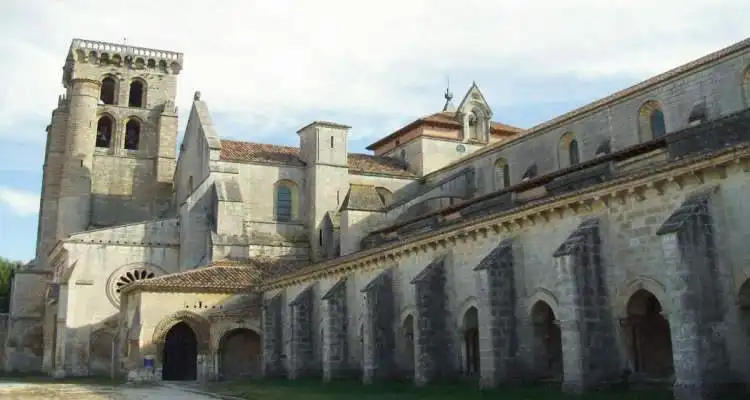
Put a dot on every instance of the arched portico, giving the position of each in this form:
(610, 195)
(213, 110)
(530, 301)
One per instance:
(547, 341)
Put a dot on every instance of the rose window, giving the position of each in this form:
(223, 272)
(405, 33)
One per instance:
(132, 276)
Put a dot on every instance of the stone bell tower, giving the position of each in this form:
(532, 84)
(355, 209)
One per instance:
(111, 144)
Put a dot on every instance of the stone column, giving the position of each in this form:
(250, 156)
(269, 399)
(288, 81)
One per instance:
(335, 334)
(585, 318)
(434, 344)
(697, 325)
(497, 320)
(273, 344)
(301, 355)
(379, 341)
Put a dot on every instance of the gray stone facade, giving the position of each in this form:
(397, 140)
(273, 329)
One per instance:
(629, 263)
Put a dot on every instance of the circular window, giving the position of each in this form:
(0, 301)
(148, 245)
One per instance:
(125, 276)
(132, 276)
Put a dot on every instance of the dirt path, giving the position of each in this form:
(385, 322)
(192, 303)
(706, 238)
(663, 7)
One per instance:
(66, 391)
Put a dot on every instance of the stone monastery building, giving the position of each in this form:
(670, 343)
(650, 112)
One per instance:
(606, 243)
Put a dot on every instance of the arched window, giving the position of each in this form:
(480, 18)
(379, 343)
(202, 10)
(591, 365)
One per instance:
(568, 152)
(285, 201)
(107, 93)
(136, 94)
(473, 127)
(502, 174)
(132, 134)
(658, 126)
(651, 122)
(574, 156)
(104, 132)
(698, 114)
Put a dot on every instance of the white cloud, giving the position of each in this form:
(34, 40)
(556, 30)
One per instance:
(267, 63)
(20, 202)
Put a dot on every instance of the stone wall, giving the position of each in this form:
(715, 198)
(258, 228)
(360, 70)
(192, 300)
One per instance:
(584, 257)
(4, 327)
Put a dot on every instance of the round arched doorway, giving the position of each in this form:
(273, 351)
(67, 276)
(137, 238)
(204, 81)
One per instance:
(648, 336)
(239, 354)
(470, 328)
(180, 354)
(548, 356)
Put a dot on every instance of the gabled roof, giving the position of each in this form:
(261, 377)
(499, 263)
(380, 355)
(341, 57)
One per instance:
(445, 119)
(237, 151)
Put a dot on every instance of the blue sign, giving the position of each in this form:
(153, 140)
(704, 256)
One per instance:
(148, 362)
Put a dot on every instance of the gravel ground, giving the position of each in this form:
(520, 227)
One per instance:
(66, 391)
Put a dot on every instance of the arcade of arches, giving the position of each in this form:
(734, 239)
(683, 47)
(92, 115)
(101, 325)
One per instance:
(238, 354)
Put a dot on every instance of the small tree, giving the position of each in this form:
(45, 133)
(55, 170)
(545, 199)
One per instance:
(8, 269)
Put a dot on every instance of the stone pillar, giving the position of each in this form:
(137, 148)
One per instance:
(434, 344)
(301, 354)
(273, 343)
(497, 320)
(335, 347)
(697, 326)
(585, 318)
(379, 341)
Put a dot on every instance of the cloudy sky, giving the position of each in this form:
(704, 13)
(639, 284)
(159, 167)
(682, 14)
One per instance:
(267, 68)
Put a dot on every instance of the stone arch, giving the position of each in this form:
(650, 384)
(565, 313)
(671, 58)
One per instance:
(647, 336)
(119, 277)
(641, 283)
(200, 325)
(137, 93)
(239, 353)
(408, 329)
(151, 63)
(101, 352)
(286, 200)
(108, 89)
(568, 150)
(105, 129)
(470, 341)
(541, 294)
(546, 338)
(223, 329)
(133, 132)
(502, 174)
(746, 86)
(651, 121)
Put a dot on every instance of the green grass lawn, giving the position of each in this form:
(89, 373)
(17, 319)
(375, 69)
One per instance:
(315, 390)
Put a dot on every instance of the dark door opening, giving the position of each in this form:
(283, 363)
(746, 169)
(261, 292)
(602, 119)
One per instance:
(180, 354)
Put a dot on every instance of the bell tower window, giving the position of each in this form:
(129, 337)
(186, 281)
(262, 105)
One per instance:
(104, 132)
(132, 134)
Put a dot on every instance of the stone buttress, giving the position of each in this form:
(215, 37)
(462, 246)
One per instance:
(497, 320)
(695, 286)
(434, 344)
(379, 341)
(586, 323)
(335, 332)
(301, 350)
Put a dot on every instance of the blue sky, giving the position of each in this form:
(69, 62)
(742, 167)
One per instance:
(268, 68)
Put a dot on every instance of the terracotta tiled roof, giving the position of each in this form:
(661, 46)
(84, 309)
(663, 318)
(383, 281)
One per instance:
(214, 278)
(232, 150)
(446, 119)
(224, 276)
(377, 164)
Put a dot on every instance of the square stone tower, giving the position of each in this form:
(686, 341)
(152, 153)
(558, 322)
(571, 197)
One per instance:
(111, 145)
(323, 149)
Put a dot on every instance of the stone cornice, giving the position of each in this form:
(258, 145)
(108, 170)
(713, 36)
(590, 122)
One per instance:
(636, 185)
